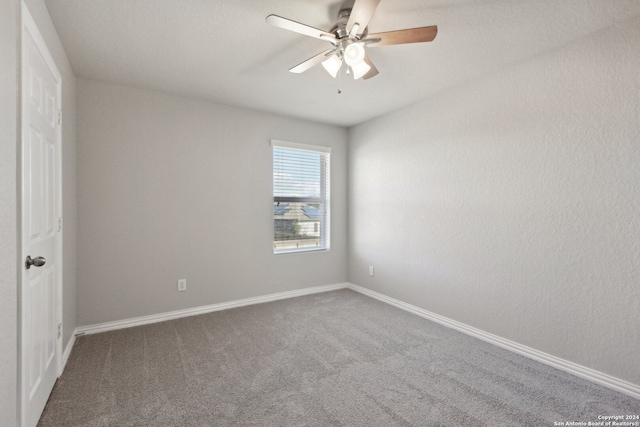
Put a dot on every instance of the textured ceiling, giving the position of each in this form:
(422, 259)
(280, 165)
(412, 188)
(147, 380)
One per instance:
(223, 51)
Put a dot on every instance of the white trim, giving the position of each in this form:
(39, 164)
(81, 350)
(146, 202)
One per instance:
(592, 375)
(67, 349)
(161, 317)
(302, 250)
(300, 146)
(28, 21)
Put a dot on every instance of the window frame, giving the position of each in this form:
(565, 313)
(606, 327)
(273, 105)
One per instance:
(324, 199)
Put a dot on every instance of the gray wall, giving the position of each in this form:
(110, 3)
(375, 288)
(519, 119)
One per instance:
(511, 204)
(8, 214)
(175, 188)
(40, 15)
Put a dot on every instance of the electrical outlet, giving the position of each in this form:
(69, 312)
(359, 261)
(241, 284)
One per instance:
(371, 270)
(182, 285)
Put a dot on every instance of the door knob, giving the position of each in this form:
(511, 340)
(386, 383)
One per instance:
(38, 261)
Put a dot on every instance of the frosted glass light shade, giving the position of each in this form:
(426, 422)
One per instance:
(332, 65)
(360, 69)
(354, 54)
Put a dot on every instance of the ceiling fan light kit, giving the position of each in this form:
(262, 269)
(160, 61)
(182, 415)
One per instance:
(349, 37)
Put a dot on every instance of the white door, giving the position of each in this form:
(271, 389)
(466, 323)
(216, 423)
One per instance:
(41, 224)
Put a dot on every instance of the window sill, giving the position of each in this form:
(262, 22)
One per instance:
(300, 250)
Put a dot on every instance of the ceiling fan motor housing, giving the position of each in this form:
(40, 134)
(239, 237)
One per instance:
(340, 26)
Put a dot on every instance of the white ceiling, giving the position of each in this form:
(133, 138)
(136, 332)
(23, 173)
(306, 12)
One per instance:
(223, 51)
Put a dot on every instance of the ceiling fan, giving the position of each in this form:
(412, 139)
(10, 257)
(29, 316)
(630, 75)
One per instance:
(349, 36)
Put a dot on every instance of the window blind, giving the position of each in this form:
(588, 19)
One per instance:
(300, 197)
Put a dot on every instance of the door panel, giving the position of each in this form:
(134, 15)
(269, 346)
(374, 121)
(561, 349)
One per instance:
(50, 213)
(33, 182)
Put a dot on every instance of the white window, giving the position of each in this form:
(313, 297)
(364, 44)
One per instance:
(300, 197)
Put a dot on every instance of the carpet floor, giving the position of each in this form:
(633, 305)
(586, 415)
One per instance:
(331, 359)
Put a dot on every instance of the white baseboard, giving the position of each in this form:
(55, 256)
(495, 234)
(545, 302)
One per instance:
(67, 350)
(589, 374)
(161, 317)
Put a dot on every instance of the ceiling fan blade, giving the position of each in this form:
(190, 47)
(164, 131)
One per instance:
(361, 14)
(411, 35)
(315, 60)
(373, 71)
(288, 24)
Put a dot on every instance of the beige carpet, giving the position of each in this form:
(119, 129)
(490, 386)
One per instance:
(332, 359)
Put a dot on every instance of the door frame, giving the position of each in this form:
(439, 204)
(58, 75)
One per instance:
(28, 25)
